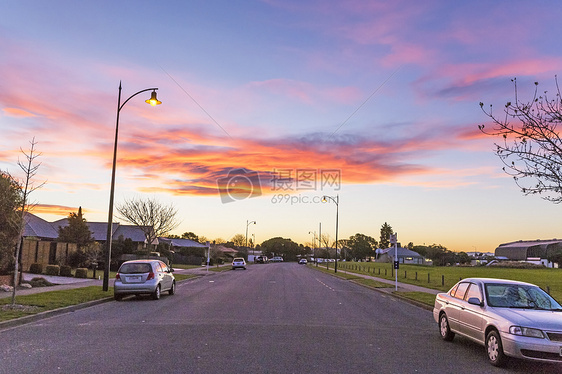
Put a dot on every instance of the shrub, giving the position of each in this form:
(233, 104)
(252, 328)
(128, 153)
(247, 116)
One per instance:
(52, 270)
(65, 271)
(40, 282)
(81, 273)
(36, 268)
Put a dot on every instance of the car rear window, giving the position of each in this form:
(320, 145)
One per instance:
(135, 268)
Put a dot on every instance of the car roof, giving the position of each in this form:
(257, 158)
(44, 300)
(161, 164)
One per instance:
(495, 280)
(141, 261)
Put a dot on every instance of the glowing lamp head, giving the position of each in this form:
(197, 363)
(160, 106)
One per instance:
(153, 99)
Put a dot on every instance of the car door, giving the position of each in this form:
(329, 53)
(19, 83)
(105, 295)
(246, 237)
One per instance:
(471, 317)
(454, 305)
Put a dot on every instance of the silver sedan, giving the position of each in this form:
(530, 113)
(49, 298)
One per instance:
(509, 318)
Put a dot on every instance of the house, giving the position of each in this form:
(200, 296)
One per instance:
(480, 258)
(404, 256)
(529, 250)
(186, 251)
(40, 243)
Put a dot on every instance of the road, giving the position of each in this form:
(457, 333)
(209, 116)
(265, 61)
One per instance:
(271, 318)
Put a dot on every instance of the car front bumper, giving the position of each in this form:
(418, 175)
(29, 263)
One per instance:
(532, 348)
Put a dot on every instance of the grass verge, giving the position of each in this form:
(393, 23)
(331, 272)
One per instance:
(422, 297)
(45, 301)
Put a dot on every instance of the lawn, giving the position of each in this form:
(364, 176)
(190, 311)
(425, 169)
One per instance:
(44, 301)
(443, 278)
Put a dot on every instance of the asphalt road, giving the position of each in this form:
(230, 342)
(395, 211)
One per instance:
(271, 318)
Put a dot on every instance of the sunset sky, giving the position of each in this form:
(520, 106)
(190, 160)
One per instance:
(373, 101)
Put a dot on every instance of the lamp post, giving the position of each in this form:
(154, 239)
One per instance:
(336, 201)
(152, 101)
(313, 244)
(248, 223)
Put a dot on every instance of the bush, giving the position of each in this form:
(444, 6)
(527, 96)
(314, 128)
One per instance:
(81, 273)
(40, 282)
(36, 268)
(52, 270)
(65, 271)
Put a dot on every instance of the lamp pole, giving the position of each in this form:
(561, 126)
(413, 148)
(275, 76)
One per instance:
(313, 243)
(336, 201)
(152, 101)
(248, 223)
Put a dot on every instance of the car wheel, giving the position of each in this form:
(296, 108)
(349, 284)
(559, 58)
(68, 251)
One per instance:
(494, 349)
(444, 329)
(118, 297)
(173, 288)
(156, 293)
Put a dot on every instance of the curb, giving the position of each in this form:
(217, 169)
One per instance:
(50, 313)
(55, 312)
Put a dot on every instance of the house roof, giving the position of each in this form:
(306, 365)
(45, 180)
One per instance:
(38, 227)
(186, 243)
(401, 252)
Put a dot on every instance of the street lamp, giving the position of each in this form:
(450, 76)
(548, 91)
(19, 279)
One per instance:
(336, 201)
(313, 244)
(152, 101)
(248, 224)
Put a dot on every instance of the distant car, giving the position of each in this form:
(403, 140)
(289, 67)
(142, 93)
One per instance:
(141, 277)
(303, 261)
(509, 318)
(277, 259)
(262, 260)
(238, 262)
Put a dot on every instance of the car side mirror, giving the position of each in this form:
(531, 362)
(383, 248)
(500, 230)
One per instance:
(475, 301)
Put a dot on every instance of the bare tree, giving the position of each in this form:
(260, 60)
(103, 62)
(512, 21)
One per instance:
(30, 170)
(152, 217)
(530, 146)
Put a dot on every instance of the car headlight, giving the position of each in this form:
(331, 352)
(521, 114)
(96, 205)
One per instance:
(526, 331)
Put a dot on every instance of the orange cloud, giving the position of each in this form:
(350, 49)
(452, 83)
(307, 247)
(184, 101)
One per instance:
(59, 210)
(15, 112)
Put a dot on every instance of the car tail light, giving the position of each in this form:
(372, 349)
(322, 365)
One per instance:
(150, 276)
(117, 276)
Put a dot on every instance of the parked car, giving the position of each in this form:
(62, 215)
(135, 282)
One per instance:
(277, 259)
(303, 261)
(238, 262)
(509, 318)
(138, 277)
(262, 260)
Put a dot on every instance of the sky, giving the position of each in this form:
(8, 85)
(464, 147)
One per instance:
(267, 106)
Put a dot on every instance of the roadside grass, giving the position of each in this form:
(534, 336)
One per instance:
(444, 277)
(50, 300)
(44, 301)
(373, 283)
(180, 277)
(422, 297)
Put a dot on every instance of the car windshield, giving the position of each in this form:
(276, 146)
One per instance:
(135, 268)
(506, 295)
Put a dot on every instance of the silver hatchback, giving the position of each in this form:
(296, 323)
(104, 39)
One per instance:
(142, 277)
